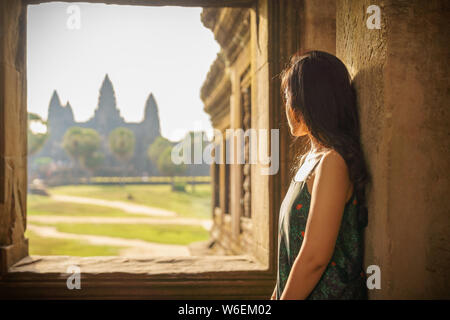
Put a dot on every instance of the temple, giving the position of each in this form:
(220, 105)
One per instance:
(106, 118)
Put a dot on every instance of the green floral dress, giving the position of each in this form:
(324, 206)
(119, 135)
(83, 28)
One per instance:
(344, 277)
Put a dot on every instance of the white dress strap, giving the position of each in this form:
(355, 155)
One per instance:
(307, 167)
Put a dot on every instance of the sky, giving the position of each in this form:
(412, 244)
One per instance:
(161, 50)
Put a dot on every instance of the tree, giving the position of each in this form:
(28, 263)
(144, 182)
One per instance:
(194, 137)
(35, 139)
(155, 150)
(121, 144)
(42, 165)
(167, 167)
(93, 162)
(82, 145)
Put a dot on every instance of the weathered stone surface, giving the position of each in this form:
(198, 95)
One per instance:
(399, 74)
(13, 133)
(212, 277)
(170, 267)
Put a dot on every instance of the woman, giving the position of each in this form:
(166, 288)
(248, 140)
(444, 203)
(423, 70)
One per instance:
(322, 217)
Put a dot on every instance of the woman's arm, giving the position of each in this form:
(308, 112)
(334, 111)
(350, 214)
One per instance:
(274, 294)
(328, 198)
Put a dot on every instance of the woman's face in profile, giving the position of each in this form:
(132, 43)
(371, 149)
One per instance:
(297, 126)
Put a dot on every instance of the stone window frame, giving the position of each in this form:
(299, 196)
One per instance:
(245, 93)
(215, 174)
(226, 165)
(22, 276)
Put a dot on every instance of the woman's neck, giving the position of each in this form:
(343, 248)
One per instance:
(316, 147)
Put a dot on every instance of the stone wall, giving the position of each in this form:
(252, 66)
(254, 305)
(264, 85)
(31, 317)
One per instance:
(13, 133)
(401, 77)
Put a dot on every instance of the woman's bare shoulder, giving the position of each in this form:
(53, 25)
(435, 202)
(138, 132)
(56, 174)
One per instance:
(332, 163)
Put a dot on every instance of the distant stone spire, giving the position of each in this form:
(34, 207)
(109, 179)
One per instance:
(151, 114)
(59, 116)
(107, 114)
(54, 108)
(107, 98)
(69, 111)
(55, 102)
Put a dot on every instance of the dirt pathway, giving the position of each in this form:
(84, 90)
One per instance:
(128, 207)
(132, 247)
(120, 220)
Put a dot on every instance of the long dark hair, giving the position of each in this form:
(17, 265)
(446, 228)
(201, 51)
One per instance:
(321, 94)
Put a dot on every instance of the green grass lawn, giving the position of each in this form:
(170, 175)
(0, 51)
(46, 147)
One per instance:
(165, 234)
(195, 204)
(42, 205)
(187, 204)
(52, 246)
